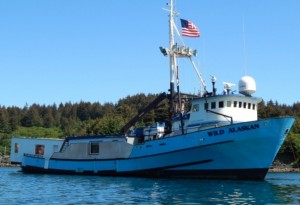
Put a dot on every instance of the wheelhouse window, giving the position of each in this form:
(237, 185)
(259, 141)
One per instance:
(228, 103)
(249, 106)
(16, 148)
(245, 105)
(221, 104)
(40, 149)
(206, 106)
(195, 108)
(213, 105)
(253, 106)
(234, 103)
(94, 148)
(240, 104)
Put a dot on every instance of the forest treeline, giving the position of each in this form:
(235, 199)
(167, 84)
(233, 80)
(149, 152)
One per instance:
(85, 118)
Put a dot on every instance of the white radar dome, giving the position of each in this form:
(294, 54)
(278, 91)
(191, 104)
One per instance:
(247, 86)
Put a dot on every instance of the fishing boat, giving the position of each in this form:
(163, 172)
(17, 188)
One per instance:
(208, 135)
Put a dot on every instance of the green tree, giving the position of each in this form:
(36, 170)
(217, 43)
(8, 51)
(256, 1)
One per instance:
(48, 119)
(32, 117)
(68, 126)
(83, 111)
(110, 124)
(4, 121)
(14, 117)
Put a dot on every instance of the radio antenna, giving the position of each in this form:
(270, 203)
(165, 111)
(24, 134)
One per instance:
(244, 47)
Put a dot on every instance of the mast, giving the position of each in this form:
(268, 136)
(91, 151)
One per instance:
(173, 52)
(173, 62)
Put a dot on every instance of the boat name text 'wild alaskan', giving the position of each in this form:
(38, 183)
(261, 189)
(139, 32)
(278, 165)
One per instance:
(233, 130)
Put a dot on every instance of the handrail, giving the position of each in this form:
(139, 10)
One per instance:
(226, 116)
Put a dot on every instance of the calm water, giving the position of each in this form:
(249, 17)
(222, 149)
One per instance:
(18, 188)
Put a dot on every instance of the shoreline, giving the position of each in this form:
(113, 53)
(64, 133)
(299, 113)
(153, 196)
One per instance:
(284, 170)
(279, 166)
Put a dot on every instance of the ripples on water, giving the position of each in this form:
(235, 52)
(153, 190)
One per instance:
(18, 188)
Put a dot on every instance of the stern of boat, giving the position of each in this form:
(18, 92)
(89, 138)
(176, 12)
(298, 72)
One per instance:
(33, 163)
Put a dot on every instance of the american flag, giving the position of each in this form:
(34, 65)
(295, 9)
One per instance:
(189, 29)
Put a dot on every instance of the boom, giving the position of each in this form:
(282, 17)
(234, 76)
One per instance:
(145, 110)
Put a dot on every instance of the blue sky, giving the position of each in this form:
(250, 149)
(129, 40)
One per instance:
(62, 51)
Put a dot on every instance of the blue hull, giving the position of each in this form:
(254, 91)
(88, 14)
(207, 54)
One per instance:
(238, 151)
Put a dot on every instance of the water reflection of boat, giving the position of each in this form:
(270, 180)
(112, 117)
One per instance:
(186, 191)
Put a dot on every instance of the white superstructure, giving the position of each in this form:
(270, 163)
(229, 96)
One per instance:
(34, 146)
